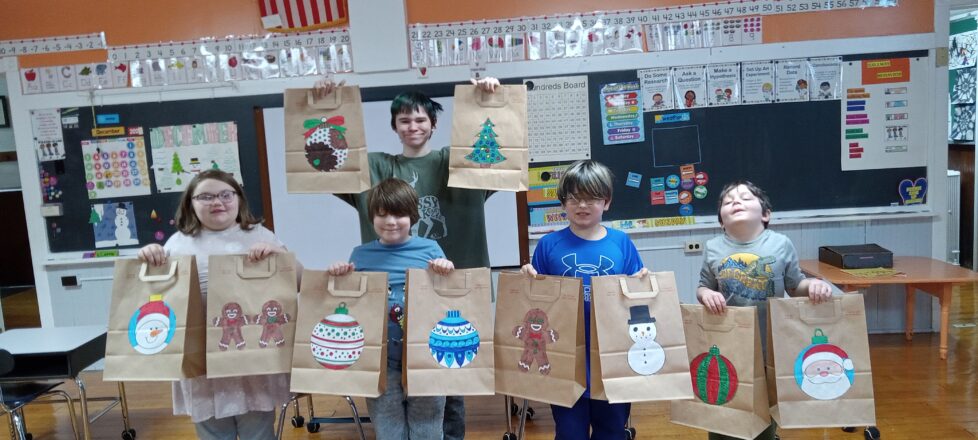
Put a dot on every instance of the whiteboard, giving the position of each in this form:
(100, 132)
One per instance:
(322, 229)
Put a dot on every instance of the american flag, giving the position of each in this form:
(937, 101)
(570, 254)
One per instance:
(301, 15)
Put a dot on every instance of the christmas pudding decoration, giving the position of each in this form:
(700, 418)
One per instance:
(152, 326)
(326, 147)
(454, 341)
(485, 151)
(714, 377)
(337, 340)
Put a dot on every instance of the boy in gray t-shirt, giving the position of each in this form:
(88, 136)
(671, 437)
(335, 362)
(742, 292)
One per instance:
(749, 263)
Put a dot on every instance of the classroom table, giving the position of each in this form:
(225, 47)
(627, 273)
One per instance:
(928, 275)
(52, 353)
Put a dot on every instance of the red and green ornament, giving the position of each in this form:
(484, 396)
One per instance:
(714, 377)
(326, 147)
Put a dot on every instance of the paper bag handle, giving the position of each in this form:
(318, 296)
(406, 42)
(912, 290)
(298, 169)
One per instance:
(331, 288)
(491, 99)
(553, 289)
(719, 327)
(808, 315)
(162, 277)
(445, 291)
(257, 273)
(331, 101)
(652, 293)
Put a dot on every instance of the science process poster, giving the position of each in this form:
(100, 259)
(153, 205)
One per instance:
(792, 80)
(656, 89)
(690, 86)
(878, 113)
(757, 82)
(826, 78)
(621, 113)
(723, 80)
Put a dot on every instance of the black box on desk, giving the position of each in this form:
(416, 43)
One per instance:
(857, 256)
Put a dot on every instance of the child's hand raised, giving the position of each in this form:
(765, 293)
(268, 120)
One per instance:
(441, 266)
(528, 270)
(487, 84)
(325, 86)
(153, 254)
(713, 301)
(643, 272)
(259, 251)
(819, 291)
(338, 269)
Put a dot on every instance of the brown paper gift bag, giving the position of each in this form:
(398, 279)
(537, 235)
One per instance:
(640, 338)
(156, 322)
(539, 338)
(821, 369)
(490, 143)
(325, 146)
(341, 335)
(251, 311)
(449, 349)
(727, 370)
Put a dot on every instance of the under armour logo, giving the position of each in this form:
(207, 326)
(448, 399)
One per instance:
(575, 269)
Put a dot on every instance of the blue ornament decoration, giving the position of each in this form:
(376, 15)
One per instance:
(454, 342)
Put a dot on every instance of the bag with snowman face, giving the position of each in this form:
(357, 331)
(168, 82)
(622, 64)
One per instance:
(325, 144)
(251, 309)
(640, 339)
(818, 363)
(156, 322)
(727, 370)
(341, 334)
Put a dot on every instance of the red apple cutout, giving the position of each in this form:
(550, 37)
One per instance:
(30, 75)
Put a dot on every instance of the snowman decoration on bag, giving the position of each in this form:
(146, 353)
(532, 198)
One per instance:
(646, 356)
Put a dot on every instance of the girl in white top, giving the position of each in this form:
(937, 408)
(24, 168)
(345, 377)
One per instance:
(213, 219)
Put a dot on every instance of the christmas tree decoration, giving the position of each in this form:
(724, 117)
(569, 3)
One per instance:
(485, 151)
(454, 341)
(152, 326)
(326, 147)
(714, 377)
(337, 341)
(93, 217)
(824, 371)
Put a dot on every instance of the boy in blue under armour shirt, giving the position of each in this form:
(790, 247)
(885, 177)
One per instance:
(585, 249)
(393, 206)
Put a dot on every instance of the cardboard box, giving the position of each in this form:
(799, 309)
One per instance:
(859, 256)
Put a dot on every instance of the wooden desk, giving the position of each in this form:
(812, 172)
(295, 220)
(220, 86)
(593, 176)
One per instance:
(931, 276)
(62, 353)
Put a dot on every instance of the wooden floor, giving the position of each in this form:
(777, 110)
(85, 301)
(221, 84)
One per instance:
(918, 396)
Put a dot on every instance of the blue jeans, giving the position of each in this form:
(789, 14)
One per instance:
(591, 419)
(398, 417)
(255, 425)
(454, 418)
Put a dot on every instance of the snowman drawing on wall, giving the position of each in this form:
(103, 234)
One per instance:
(122, 233)
(646, 356)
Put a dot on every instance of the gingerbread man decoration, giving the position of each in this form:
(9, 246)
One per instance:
(272, 318)
(231, 320)
(535, 332)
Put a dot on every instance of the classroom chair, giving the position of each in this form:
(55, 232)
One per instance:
(15, 395)
(314, 422)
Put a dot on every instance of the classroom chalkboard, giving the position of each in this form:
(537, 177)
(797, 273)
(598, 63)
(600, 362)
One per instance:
(791, 150)
(74, 230)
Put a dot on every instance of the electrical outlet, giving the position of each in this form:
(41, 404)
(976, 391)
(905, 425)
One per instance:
(692, 247)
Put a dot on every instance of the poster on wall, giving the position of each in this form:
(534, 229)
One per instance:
(115, 167)
(621, 113)
(724, 81)
(656, 89)
(48, 140)
(792, 80)
(690, 86)
(878, 113)
(180, 152)
(962, 49)
(757, 81)
(825, 76)
(558, 118)
(962, 85)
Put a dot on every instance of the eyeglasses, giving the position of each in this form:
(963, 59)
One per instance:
(586, 202)
(225, 196)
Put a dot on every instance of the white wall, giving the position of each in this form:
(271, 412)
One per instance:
(89, 302)
(6, 134)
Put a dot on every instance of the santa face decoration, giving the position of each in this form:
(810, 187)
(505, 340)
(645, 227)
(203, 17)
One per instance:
(822, 370)
(152, 326)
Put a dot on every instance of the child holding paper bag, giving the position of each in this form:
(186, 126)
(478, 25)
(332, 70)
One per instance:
(393, 206)
(585, 249)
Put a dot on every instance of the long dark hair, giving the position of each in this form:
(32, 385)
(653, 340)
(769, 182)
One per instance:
(186, 219)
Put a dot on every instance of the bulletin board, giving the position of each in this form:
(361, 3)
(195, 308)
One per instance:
(130, 215)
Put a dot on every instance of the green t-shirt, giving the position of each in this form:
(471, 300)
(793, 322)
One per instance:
(454, 217)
